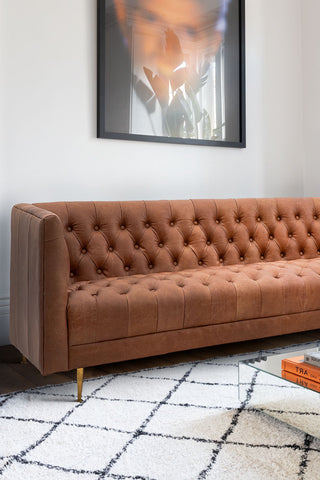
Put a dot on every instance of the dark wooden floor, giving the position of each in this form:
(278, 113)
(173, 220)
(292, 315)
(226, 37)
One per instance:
(15, 376)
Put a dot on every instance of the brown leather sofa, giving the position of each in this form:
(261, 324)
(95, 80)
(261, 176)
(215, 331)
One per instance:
(99, 282)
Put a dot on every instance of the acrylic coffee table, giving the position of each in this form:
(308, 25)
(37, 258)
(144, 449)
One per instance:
(262, 388)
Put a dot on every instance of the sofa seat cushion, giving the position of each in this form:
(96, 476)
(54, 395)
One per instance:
(134, 305)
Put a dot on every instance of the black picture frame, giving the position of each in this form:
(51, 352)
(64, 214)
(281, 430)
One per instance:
(118, 83)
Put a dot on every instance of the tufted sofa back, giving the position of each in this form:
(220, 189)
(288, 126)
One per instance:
(136, 237)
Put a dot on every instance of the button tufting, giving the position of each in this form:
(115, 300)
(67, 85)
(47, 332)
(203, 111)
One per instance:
(250, 239)
(315, 217)
(301, 252)
(127, 268)
(175, 263)
(297, 217)
(262, 257)
(83, 251)
(309, 234)
(186, 244)
(96, 227)
(217, 221)
(160, 245)
(150, 266)
(241, 259)
(200, 262)
(278, 218)
(318, 252)
(208, 242)
(136, 246)
(110, 249)
(258, 219)
(290, 235)
(221, 260)
(230, 240)
(99, 271)
(71, 274)
(271, 237)
(237, 220)
(195, 222)
(122, 227)
(282, 254)
(171, 224)
(69, 228)
(147, 225)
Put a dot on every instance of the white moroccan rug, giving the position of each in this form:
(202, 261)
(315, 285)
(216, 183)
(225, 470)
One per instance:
(183, 422)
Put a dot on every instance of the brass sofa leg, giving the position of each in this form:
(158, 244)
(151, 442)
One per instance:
(23, 360)
(80, 383)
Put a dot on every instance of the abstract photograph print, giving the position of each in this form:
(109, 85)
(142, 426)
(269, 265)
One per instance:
(172, 71)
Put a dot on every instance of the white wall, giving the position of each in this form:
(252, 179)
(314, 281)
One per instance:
(49, 150)
(311, 91)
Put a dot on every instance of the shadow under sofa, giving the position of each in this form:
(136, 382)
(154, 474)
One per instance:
(101, 282)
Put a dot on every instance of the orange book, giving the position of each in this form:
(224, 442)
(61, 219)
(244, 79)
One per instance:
(297, 366)
(301, 381)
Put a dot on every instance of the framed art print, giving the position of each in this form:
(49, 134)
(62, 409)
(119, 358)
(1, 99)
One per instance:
(172, 71)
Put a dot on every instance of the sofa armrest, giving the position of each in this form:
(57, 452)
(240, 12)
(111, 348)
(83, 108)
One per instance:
(40, 269)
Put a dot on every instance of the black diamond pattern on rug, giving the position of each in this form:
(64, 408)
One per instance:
(183, 422)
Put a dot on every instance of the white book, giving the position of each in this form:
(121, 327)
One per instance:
(312, 358)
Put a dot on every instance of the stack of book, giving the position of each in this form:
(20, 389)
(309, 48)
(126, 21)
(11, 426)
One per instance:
(303, 370)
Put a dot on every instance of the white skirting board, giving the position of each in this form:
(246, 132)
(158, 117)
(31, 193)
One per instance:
(4, 320)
